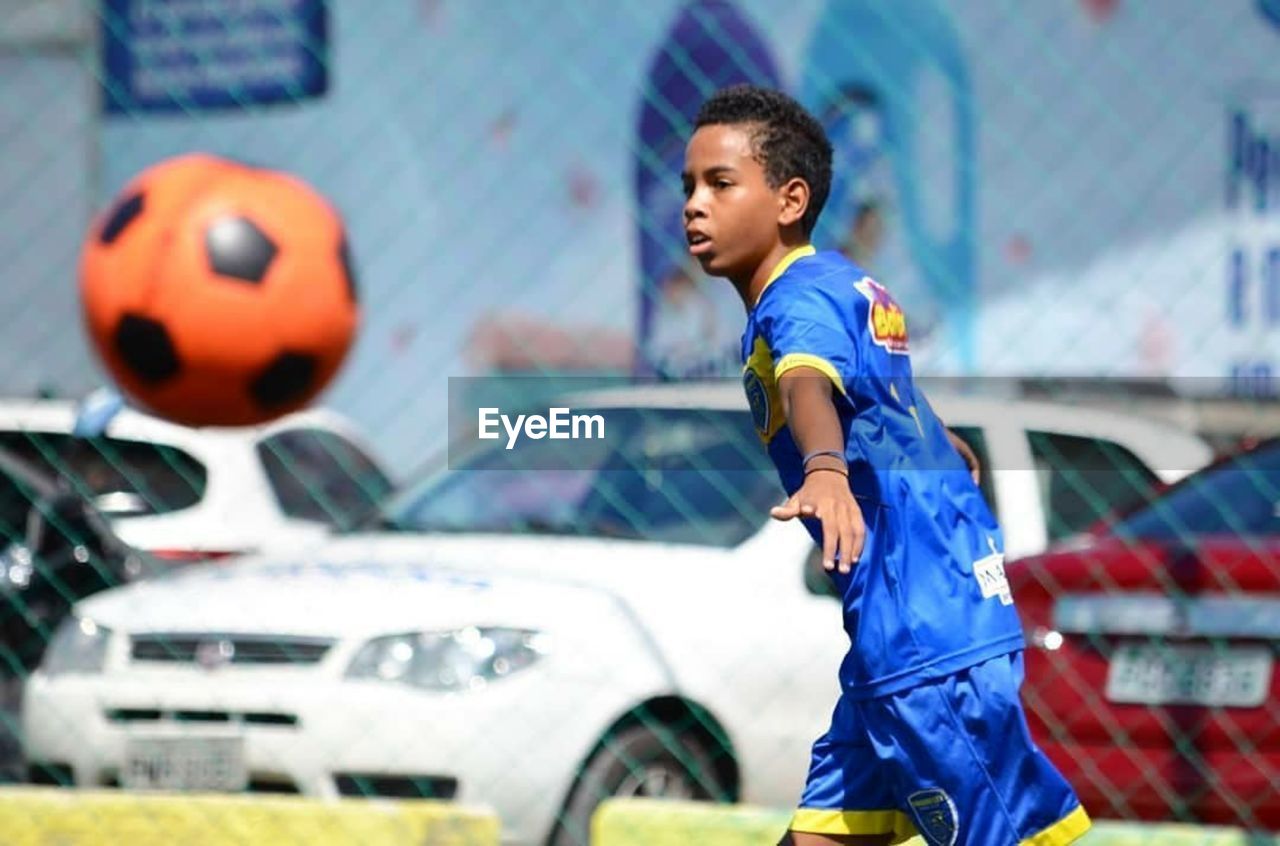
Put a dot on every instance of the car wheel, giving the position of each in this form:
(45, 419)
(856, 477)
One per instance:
(637, 761)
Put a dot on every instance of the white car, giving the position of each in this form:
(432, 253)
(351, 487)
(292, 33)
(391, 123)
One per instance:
(186, 494)
(535, 640)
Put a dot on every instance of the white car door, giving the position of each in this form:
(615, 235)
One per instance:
(782, 698)
(1016, 491)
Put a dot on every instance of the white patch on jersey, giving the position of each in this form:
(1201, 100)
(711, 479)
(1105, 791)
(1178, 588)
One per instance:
(989, 571)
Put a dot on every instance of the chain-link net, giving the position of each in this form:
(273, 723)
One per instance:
(1073, 202)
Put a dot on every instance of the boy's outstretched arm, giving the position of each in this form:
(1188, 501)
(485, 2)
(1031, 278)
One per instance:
(825, 493)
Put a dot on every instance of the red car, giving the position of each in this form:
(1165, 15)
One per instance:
(1151, 653)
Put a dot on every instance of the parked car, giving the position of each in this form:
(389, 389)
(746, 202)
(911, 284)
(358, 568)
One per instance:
(537, 640)
(186, 494)
(55, 549)
(1152, 682)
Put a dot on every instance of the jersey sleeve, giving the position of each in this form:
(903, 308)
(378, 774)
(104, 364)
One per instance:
(805, 326)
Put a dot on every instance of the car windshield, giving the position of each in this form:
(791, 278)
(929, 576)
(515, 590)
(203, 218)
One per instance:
(672, 475)
(1239, 497)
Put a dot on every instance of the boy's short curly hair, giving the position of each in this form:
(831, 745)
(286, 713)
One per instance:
(787, 140)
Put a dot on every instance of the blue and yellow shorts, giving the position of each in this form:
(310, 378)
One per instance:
(951, 760)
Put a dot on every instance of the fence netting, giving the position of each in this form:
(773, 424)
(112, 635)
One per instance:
(1072, 203)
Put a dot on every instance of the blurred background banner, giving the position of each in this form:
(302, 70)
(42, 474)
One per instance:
(166, 56)
(1083, 188)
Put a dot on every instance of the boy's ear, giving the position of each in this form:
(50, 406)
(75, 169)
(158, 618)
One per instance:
(793, 200)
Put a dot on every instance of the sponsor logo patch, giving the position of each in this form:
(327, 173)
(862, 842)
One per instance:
(885, 320)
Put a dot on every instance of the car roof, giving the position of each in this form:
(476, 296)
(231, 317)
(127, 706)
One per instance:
(1161, 444)
(728, 395)
(57, 415)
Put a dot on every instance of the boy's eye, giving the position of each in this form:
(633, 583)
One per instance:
(723, 183)
(687, 187)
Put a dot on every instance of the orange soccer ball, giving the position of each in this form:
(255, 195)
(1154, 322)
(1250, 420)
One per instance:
(218, 294)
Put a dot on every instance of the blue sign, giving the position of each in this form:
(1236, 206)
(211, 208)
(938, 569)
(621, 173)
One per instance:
(178, 55)
(1270, 10)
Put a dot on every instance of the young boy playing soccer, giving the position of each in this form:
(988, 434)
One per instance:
(928, 735)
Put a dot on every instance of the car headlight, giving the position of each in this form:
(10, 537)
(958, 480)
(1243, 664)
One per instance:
(16, 568)
(79, 646)
(453, 660)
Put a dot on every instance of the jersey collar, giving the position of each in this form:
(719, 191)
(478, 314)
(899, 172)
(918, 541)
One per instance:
(787, 260)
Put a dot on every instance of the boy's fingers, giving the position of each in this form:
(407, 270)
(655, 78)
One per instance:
(848, 531)
(859, 532)
(786, 511)
(830, 537)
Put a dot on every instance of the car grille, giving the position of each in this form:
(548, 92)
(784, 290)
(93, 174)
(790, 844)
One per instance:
(396, 786)
(214, 650)
(155, 715)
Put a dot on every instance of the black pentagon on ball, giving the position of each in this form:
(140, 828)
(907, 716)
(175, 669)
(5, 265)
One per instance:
(146, 348)
(238, 249)
(349, 270)
(287, 379)
(125, 212)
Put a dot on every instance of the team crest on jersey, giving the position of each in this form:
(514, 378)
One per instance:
(762, 391)
(885, 319)
(757, 398)
(936, 816)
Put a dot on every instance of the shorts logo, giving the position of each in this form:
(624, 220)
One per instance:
(885, 319)
(758, 399)
(936, 816)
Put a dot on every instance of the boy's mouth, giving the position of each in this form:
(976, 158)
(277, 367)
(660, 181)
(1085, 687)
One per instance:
(698, 243)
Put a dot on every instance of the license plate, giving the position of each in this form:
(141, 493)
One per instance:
(185, 763)
(1190, 675)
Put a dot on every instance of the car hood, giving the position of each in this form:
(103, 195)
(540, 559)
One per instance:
(365, 584)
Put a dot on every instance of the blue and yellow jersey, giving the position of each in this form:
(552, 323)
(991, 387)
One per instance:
(928, 596)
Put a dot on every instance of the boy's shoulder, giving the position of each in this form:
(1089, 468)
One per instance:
(822, 264)
(826, 276)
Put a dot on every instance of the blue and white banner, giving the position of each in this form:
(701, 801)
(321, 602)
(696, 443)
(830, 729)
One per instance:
(190, 55)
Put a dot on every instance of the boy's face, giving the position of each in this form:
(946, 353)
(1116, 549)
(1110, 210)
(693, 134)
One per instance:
(731, 214)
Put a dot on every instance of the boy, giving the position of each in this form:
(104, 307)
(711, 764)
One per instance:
(928, 735)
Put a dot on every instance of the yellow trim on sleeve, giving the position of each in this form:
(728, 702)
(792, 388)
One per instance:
(822, 821)
(787, 260)
(791, 361)
(1064, 831)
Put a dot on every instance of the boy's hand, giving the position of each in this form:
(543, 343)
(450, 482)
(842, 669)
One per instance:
(825, 495)
(967, 453)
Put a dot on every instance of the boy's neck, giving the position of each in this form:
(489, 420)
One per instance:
(751, 288)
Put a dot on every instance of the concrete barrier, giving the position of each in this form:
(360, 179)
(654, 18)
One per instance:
(647, 822)
(31, 816)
